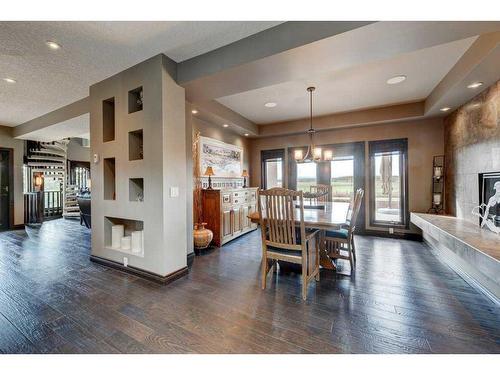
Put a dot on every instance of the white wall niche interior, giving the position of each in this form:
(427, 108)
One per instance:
(108, 120)
(135, 99)
(135, 145)
(109, 178)
(136, 189)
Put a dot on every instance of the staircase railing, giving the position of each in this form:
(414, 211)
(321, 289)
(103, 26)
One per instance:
(33, 208)
(53, 204)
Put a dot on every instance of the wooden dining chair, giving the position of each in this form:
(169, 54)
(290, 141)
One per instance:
(283, 239)
(342, 240)
(323, 191)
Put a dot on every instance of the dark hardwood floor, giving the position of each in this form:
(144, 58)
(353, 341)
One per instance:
(401, 300)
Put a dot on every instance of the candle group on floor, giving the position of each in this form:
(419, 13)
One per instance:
(134, 242)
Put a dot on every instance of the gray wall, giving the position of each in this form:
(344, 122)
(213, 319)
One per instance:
(164, 165)
(76, 151)
(7, 141)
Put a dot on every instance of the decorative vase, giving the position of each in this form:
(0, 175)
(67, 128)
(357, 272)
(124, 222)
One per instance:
(202, 236)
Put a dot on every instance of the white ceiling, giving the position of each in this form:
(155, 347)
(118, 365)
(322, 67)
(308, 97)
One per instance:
(92, 51)
(363, 86)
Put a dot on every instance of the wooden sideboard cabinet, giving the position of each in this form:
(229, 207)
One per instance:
(226, 212)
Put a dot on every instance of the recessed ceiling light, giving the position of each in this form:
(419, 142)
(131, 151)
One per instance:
(445, 109)
(270, 104)
(396, 79)
(52, 45)
(474, 85)
(10, 80)
(225, 125)
(194, 111)
(246, 134)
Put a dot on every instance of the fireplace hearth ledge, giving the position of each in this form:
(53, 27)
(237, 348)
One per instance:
(472, 252)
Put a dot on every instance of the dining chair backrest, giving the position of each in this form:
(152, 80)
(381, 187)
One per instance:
(354, 207)
(277, 218)
(324, 190)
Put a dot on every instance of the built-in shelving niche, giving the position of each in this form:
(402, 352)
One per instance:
(130, 226)
(135, 145)
(136, 189)
(108, 120)
(135, 100)
(109, 168)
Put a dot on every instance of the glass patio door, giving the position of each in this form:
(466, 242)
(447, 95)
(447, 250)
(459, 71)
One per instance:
(273, 168)
(342, 179)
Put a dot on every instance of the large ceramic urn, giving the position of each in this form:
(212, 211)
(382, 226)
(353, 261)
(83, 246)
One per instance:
(202, 236)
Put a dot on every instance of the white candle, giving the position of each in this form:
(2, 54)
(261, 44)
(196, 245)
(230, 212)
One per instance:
(125, 243)
(437, 199)
(117, 232)
(437, 172)
(137, 241)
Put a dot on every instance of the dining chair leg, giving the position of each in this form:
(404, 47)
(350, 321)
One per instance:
(349, 251)
(304, 281)
(274, 266)
(353, 248)
(316, 258)
(264, 272)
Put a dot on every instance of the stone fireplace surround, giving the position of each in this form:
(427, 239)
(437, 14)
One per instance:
(472, 146)
(472, 149)
(473, 252)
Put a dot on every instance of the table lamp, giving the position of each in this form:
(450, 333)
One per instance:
(244, 175)
(209, 172)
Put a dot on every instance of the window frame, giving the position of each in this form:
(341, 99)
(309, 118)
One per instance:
(266, 155)
(390, 145)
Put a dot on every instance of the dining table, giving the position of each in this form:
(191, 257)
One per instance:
(324, 217)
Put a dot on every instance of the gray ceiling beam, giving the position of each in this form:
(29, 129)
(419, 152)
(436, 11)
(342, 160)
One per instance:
(62, 114)
(283, 37)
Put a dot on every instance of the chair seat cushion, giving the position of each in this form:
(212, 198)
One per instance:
(339, 233)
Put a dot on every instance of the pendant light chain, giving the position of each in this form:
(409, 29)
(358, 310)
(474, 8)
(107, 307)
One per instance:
(312, 155)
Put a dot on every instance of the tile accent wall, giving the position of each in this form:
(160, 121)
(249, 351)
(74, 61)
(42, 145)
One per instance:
(472, 146)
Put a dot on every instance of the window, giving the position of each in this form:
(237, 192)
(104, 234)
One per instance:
(388, 182)
(274, 175)
(342, 179)
(306, 176)
(273, 164)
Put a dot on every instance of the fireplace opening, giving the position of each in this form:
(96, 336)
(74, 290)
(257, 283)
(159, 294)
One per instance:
(487, 182)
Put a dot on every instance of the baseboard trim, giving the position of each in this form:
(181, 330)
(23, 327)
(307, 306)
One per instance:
(18, 227)
(141, 273)
(190, 259)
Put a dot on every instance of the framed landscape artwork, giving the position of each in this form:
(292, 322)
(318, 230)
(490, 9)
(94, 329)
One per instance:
(225, 159)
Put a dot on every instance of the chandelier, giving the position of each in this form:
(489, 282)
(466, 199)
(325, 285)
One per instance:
(313, 153)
